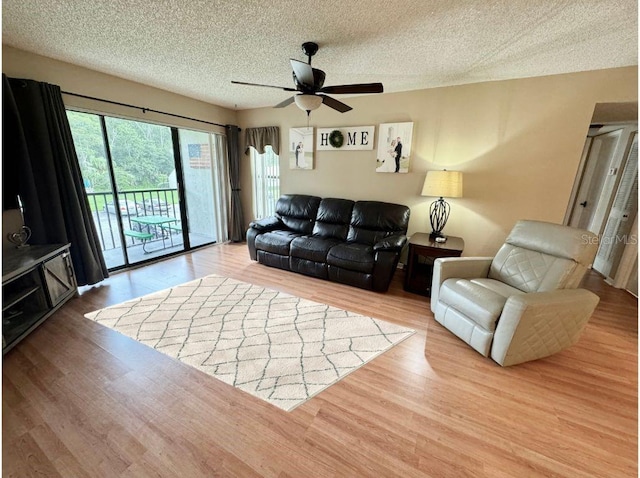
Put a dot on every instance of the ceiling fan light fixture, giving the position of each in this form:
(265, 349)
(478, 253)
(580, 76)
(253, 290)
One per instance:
(308, 102)
(309, 82)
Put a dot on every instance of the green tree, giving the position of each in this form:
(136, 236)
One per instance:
(87, 137)
(142, 153)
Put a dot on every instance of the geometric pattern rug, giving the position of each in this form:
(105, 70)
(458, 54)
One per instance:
(275, 346)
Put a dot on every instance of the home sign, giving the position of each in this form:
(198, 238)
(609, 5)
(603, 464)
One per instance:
(346, 138)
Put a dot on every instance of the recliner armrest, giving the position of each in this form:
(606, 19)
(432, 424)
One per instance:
(528, 320)
(461, 267)
(266, 224)
(391, 243)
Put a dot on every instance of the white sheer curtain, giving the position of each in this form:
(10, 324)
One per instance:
(266, 181)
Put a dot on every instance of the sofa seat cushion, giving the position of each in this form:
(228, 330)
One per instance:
(312, 248)
(480, 299)
(276, 242)
(352, 256)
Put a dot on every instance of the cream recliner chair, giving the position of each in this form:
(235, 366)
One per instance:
(522, 304)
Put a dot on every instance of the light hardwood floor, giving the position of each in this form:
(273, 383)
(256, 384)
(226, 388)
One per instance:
(82, 400)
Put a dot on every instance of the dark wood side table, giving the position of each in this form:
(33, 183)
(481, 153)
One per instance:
(422, 253)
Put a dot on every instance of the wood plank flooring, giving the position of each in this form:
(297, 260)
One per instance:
(82, 400)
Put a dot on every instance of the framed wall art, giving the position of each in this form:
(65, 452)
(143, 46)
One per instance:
(301, 148)
(394, 147)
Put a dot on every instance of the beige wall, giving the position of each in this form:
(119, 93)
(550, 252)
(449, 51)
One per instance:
(518, 143)
(21, 64)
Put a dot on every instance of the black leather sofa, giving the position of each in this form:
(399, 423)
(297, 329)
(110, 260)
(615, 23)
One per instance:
(353, 242)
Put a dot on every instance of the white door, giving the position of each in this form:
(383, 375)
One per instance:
(621, 216)
(588, 211)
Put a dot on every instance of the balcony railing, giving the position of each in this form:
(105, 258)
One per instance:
(147, 202)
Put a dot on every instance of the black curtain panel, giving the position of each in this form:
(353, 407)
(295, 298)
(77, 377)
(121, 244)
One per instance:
(43, 170)
(236, 219)
(13, 147)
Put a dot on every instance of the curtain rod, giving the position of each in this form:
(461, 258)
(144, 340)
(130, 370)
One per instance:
(144, 110)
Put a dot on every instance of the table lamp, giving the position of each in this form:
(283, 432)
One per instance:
(442, 184)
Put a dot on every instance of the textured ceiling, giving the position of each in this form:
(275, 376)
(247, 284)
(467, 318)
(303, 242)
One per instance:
(196, 47)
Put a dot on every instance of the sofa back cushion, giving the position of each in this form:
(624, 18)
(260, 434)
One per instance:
(333, 218)
(372, 221)
(539, 256)
(298, 211)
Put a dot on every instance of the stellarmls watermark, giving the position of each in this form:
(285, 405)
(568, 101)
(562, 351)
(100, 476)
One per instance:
(608, 240)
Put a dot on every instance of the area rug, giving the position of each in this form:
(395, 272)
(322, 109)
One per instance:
(275, 346)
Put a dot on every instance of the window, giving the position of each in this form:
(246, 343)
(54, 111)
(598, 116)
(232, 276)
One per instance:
(266, 182)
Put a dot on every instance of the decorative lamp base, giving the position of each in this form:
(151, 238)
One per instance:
(438, 214)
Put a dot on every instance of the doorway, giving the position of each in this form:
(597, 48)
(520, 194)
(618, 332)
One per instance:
(598, 174)
(605, 200)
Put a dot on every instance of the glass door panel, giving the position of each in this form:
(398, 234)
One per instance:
(90, 148)
(198, 174)
(146, 187)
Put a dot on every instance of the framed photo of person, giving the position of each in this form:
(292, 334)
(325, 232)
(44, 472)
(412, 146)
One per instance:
(301, 148)
(394, 147)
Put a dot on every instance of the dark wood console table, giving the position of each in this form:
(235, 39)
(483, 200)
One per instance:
(422, 253)
(36, 281)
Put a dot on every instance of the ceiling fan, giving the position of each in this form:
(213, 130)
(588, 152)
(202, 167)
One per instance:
(309, 85)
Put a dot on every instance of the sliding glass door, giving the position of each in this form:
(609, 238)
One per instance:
(90, 146)
(144, 174)
(153, 189)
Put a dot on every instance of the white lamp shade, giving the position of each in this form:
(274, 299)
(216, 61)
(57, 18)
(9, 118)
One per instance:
(445, 184)
(308, 102)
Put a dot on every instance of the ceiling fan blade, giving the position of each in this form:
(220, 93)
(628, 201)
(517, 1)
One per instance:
(286, 102)
(266, 86)
(353, 89)
(303, 72)
(335, 104)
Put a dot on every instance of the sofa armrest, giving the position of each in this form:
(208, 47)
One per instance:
(266, 224)
(539, 324)
(461, 267)
(391, 243)
(258, 227)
